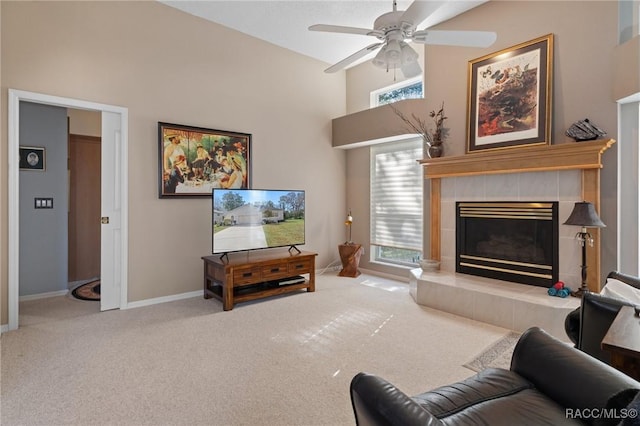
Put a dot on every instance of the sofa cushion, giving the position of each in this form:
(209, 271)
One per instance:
(488, 384)
(527, 407)
(487, 396)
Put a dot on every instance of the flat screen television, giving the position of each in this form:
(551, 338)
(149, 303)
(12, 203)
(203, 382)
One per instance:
(252, 219)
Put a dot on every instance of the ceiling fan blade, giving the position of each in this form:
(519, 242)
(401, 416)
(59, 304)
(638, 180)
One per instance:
(344, 30)
(412, 69)
(449, 10)
(352, 58)
(420, 10)
(455, 38)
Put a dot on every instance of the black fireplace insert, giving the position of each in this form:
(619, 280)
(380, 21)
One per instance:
(511, 241)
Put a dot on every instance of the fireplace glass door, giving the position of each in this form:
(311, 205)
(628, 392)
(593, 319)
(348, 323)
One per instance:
(511, 241)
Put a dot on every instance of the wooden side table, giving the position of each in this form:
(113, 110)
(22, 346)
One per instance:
(350, 258)
(623, 342)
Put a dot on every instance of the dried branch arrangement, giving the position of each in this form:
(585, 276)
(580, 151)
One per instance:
(419, 125)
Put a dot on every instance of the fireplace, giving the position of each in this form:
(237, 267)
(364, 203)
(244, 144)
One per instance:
(511, 241)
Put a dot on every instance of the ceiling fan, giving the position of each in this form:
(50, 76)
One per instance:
(394, 29)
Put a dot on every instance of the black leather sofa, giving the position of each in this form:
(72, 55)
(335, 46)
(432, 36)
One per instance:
(549, 383)
(587, 325)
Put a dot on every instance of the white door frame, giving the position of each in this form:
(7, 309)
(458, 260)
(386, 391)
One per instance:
(15, 97)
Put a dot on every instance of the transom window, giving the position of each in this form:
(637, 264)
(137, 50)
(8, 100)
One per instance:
(408, 89)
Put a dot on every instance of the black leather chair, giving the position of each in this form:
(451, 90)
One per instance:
(587, 325)
(547, 384)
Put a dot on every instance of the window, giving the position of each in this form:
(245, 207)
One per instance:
(408, 89)
(628, 179)
(396, 202)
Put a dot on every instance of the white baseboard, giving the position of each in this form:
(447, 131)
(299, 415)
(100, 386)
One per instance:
(164, 299)
(140, 303)
(5, 327)
(385, 275)
(43, 295)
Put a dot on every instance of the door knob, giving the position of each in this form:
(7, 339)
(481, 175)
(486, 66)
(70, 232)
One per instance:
(104, 220)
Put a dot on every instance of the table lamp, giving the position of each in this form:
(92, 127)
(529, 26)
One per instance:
(584, 215)
(348, 222)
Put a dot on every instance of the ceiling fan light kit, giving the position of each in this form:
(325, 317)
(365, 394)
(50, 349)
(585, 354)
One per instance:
(394, 29)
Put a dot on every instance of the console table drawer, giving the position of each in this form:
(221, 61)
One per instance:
(243, 276)
(301, 266)
(272, 272)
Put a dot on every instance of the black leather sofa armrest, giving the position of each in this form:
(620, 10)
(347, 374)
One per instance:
(597, 313)
(589, 342)
(627, 279)
(572, 325)
(377, 402)
(568, 376)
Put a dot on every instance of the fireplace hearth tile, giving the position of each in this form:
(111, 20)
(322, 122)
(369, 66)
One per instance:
(501, 187)
(504, 304)
(535, 186)
(570, 184)
(470, 188)
(485, 308)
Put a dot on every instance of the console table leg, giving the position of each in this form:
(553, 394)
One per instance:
(227, 298)
(206, 281)
(312, 276)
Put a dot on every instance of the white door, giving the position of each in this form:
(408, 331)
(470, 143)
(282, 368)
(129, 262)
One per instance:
(114, 235)
(111, 211)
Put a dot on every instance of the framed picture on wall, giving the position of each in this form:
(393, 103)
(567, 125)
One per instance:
(32, 158)
(509, 93)
(194, 160)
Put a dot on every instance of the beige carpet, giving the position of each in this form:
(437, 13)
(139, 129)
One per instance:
(286, 360)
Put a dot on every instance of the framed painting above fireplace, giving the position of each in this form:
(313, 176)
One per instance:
(509, 93)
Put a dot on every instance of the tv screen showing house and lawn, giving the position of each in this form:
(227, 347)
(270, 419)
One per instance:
(251, 219)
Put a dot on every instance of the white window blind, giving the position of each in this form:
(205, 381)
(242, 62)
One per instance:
(396, 195)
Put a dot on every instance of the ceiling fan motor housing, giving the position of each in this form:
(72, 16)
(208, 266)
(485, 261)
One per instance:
(394, 29)
(391, 22)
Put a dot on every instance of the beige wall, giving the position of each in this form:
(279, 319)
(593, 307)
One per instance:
(626, 59)
(82, 122)
(165, 65)
(582, 87)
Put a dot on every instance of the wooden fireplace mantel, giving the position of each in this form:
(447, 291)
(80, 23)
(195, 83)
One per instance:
(585, 156)
(539, 158)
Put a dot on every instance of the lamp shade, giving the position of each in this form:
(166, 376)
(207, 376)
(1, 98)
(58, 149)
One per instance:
(584, 214)
(398, 54)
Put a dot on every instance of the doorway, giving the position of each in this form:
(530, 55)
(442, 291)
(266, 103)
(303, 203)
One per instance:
(84, 208)
(114, 207)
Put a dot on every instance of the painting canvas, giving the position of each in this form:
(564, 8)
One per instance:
(510, 96)
(194, 160)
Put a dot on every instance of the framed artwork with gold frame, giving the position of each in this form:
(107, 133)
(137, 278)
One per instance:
(509, 96)
(194, 160)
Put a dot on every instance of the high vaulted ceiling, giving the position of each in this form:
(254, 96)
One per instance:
(285, 23)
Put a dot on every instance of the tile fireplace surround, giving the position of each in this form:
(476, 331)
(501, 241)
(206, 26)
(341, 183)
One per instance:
(565, 173)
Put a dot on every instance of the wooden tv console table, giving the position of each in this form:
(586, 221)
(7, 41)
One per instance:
(239, 277)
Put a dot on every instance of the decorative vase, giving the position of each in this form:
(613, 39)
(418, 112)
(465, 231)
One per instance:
(435, 151)
(429, 265)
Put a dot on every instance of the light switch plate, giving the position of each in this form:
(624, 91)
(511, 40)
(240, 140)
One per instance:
(43, 203)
